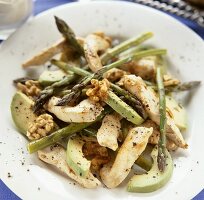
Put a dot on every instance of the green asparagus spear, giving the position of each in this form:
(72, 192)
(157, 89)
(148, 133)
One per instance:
(50, 90)
(76, 90)
(123, 109)
(67, 32)
(183, 86)
(162, 127)
(62, 133)
(124, 46)
(177, 88)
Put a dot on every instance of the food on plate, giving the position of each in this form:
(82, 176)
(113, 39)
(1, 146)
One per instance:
(100, 110)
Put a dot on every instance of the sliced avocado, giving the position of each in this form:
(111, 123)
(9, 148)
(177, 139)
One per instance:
(21, 111)
(123, 109)
(177, 112)
(75, 157)
(154, 179)
(145, 160)
(49, 77)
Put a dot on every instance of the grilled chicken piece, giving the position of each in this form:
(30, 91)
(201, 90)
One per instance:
(109, 131)
(85, 111)
(154, 138)
(114, 74)
(46, 54)
(149, 99)
(132, 147)
(56, 155)
(93, 45)
(144, 67)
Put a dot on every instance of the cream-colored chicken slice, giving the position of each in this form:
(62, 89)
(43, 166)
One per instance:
(149, 99)
(132, 147)
(154, 138)
(85, 111)
(93, 44)
(114, 74)
(56, 155)
(144, 67)
(46, 54)
(109, 131)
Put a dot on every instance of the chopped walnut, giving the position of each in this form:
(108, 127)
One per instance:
(30, 88)
(114, 74)
(99, 90)
(169, 80)
(97, 154)
(41, 127)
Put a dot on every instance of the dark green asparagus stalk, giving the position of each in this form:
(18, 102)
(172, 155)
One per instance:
(67, 32)
(161, 159)
(183, 86)
(177, 88)
(50, 90)
(62, 133)
(76, 91)
(124, 46)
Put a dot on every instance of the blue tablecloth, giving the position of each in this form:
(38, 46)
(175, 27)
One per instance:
(41, 5)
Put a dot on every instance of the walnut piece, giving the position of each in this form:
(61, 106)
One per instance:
(114, 74)
(99, 90)
(169, 80)
(97, 154)
(30, 88)
(41, 127)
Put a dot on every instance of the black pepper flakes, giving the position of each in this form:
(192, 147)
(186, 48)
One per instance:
(9, 175)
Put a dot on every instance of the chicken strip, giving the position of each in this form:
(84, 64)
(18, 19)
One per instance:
(144, 67)
(93, 44)
(85, 111)
(154, 138)
(136, 86)
(46, 54)
(134, 144)
(56, 155)
(109, 131)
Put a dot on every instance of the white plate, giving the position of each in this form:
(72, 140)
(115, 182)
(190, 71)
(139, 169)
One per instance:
(185, 54)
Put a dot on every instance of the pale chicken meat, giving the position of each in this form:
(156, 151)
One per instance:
(46, 54)
(93, 45)
(154, 138)
(109, 131)
(49, 52)
(134, 144)
(56, 156)
(150, 100)
(144, 67)
(85, 111)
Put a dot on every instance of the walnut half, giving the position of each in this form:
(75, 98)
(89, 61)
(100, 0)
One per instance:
(99, 90)
(41, 127)
(30, 88)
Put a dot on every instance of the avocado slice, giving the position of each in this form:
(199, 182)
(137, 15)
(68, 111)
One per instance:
(154, 179)
(177, 112)
(21, 111)
(75, 157)
(50, 77)
(123, 109)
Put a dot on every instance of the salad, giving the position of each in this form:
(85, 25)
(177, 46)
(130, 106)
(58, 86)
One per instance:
(103, 109)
